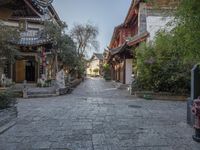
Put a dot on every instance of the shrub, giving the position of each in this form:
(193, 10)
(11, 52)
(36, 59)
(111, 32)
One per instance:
(165, 65)
(161, 67)
(96, 70)
(7, 99)
(106, 69)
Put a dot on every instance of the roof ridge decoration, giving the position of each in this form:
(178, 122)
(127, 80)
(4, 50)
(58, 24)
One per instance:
(42, 4)
(98, 55)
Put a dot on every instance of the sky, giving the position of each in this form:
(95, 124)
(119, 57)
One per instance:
(106, 14)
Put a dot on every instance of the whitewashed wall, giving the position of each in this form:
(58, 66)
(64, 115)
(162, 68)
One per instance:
(155, 23)
(93, 65)
(34, 26)
(129, 70)
(11, 23)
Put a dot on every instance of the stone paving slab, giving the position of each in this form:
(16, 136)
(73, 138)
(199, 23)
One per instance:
(97, 116)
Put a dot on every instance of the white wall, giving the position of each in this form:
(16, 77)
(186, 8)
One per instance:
(11, 23)
(93, 65)
(34, 26)
(129, 70)
(155, 23)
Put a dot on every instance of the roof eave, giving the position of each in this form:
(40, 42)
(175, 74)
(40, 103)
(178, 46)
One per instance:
(140, 39)
(133, 4)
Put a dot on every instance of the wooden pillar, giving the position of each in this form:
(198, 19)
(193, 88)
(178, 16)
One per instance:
(124, 70)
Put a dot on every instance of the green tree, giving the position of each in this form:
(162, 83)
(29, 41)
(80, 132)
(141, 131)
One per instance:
(64, 49)
(55, 33)
(187, 31)
(165, 65)
(68, 54)
(8, 50)
(158, 68)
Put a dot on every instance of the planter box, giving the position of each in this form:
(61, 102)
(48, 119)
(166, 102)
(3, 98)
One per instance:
(160, 96)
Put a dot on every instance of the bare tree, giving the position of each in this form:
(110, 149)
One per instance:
(85, 38)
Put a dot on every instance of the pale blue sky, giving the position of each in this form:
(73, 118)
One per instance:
(106, 14)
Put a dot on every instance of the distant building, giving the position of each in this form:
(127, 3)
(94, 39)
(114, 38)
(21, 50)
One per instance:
(140, 25)
(95, 65)
(35, 49)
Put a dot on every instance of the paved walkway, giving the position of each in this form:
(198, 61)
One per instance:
(96, 116)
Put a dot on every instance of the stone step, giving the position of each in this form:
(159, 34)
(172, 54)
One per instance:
(42, 95)
(123, 86)
(33, 93)
(119, 85)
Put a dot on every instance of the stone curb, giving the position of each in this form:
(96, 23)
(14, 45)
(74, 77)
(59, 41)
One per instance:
(7, 126)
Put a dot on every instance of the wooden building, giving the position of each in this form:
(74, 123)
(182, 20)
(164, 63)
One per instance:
(28, 16)
(140, 25)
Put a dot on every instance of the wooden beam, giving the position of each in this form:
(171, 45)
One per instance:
(3, 2)
(32, 8)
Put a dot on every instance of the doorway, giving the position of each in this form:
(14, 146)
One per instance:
(30, 71)
(25, 70)
(20, 71)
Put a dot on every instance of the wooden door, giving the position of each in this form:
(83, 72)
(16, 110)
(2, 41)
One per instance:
(20, 71)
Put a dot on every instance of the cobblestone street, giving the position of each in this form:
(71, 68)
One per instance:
(97, 116)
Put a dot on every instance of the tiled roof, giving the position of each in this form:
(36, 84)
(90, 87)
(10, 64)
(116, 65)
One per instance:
(138, 38)
(99, 56)
(32, 39)
(117, 50)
